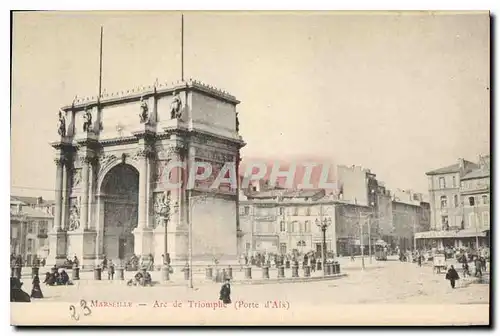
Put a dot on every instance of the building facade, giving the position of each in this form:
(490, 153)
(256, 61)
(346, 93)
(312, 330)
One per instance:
(31, 218)
(114, 196)
(459, 196)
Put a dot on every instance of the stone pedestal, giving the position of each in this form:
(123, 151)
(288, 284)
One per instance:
(57, 248)
(75, 273)
(295, 271)
(82, 243)
(248, 272)
(281, 271)
(307, 271)
(143, 242)
(209, 273)
(97, 273)
(265, 272)
(159, 242)
(120, 273)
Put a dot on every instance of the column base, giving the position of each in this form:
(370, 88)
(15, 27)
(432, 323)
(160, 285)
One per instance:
(159, 242)
(57, 248)
(82, 244)
(143, 242)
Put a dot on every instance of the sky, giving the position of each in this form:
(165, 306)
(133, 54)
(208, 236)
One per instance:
(398, 93)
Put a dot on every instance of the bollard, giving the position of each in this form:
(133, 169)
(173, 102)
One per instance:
(287, 264)
(34, 271)
(17, 271)
(318, 265)
(75, 275)
(265, 272)
(97, 273)
(229, 273)
(281, 271)
(307, 271)
(12, 272)
(330, 268)
(120, 273)
(165, 272)
(248, 272)
(295, 271)
(336, 268)
(186, 272)
(209, 273)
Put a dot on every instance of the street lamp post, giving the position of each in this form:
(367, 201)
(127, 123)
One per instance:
(323, 224)
(362, 245)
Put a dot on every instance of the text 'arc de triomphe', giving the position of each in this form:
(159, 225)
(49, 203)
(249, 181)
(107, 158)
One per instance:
(110, 163)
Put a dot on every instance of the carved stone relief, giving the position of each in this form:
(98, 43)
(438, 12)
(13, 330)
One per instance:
(161, 209)
(76, 177)
(74, 214)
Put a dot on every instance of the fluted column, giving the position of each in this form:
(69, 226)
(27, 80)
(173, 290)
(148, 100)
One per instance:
(58, 194)
(143, 188)
(84, 212)
(64, 211)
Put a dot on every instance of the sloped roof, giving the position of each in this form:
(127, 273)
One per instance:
(28, 211)
(304, 193)
(30, 200)
(479, 173)
(454, 168)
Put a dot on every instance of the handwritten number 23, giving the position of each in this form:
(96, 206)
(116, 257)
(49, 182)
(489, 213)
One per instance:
(86, 310)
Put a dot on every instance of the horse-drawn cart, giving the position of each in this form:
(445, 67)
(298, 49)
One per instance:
(439, 263)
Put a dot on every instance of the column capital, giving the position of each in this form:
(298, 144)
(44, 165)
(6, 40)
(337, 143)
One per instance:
(86, 159)
(145, 152)
(176, 150)
(60, 161)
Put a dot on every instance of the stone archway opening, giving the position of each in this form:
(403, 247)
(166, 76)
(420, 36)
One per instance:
(120, 193)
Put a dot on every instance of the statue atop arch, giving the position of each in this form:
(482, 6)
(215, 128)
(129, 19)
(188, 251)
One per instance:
(144, 115)
(175, 107)
(62, 124)
(87, 117)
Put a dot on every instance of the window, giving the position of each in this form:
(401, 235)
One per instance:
(283, 248)
(485, 199)
(308, 211)
(290, 227)
(246, 210)
(455, 201)
(282, 226)
(472, 201)
(281, 211)
(454, 182)
(29, 227)
(296, 211)
(30, 245)
(486, 219)
(302, 227)
(444, 222)
(444, 202)
(442, 183)
(307, 226)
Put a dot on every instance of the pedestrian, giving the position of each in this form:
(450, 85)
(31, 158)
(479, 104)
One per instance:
(36, 292)
(452, 275)
(111, 270)
(419, 260)
(478, 266)
(225, 292)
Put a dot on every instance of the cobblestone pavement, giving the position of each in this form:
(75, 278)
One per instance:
(381, 282)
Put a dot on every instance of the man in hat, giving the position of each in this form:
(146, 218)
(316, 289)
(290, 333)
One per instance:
(225, 292)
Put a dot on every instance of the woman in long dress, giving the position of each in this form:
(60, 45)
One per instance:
(36, 292)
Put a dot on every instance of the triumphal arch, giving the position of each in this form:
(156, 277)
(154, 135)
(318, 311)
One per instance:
(111, 154)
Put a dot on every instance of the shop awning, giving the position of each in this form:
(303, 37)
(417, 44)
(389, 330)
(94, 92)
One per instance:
(449, 234)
